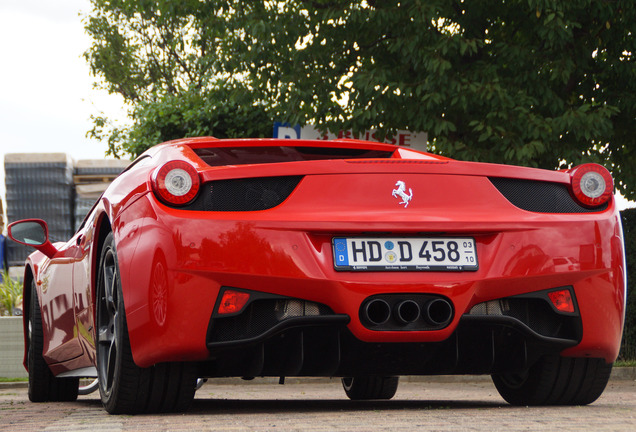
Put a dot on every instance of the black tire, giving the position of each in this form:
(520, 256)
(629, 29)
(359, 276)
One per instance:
(556, 381)
(370, 387)
(43, 386)
(123, 386)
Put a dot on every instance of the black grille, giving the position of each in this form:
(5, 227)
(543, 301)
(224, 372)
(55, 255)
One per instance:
(539, 196)
(250, 194)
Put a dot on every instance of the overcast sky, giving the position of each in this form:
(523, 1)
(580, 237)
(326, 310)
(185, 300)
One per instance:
(46, 95)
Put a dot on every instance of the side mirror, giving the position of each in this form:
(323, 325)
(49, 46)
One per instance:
(33, 233)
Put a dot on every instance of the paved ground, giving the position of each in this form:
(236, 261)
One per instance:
(322, 406)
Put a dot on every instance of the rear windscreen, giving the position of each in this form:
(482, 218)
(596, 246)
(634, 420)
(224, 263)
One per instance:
(218, 156)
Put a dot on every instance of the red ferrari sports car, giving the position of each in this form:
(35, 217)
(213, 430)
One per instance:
(263, 257)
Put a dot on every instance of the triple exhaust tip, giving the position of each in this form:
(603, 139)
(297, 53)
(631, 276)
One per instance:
(436, 312)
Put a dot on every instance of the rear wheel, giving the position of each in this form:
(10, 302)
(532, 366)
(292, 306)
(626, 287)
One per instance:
(123, 386)
(43, 386)
(556, 380)
(88, 388)
(370, 387)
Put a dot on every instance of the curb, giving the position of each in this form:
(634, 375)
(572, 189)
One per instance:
(623, 374)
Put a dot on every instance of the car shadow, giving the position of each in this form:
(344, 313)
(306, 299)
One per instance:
(281, 406)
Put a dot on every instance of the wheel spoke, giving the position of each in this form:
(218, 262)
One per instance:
(111, 363)
(108, 322)
(107, 339)
(114, 299)
(109, 287)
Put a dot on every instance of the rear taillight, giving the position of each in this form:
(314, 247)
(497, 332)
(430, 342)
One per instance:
(176, 183)
(592, 184)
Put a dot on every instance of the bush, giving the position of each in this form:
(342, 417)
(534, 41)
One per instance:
(628, 346)
(10, 296)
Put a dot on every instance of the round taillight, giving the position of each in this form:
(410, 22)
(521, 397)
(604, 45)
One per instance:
(592, 184)
(176, 183)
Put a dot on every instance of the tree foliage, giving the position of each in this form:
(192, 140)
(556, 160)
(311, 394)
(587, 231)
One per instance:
(542, 83)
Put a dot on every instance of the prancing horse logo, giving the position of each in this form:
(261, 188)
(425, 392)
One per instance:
(400, 192)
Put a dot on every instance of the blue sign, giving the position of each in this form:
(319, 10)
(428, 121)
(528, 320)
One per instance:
(286, 131)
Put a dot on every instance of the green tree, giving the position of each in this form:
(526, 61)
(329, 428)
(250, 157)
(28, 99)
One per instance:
(542, 83)
(162, 57)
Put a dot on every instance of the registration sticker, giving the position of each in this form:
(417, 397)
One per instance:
(405, 254)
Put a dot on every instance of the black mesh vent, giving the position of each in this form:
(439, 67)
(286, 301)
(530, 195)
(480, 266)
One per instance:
(250, 194)
(540, 197)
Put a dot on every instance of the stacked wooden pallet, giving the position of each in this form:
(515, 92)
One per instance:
(91, 178)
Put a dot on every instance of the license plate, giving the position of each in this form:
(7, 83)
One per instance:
(405, 254)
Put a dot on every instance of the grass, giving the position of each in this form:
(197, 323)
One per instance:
(10, 380)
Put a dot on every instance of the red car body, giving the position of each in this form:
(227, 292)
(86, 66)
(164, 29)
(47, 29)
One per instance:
(176, 262)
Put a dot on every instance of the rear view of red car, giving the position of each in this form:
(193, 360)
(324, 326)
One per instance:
(211, 258)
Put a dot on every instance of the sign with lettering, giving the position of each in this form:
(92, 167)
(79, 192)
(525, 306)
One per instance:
(415, 140)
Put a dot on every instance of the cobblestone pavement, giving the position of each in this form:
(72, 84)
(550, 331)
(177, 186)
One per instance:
(322, 406)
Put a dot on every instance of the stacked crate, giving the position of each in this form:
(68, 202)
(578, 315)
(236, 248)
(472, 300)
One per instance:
(39, 185)
(92, 177)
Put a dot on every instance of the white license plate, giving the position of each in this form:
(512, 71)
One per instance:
(405, 254)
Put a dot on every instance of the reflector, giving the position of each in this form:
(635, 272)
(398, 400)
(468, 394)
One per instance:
(233, 301)
(562, 300)
(178, 182)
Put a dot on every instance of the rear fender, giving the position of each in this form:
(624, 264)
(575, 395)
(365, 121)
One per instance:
(102, 228)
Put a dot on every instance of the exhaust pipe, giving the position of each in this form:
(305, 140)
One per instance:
(377, 311)
(407, 311)
(438, 312)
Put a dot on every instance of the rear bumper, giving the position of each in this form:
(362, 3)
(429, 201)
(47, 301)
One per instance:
(175, 268)
(268, 339)
(325, 347)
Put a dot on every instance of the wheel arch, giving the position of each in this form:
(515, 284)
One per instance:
(102, 229)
